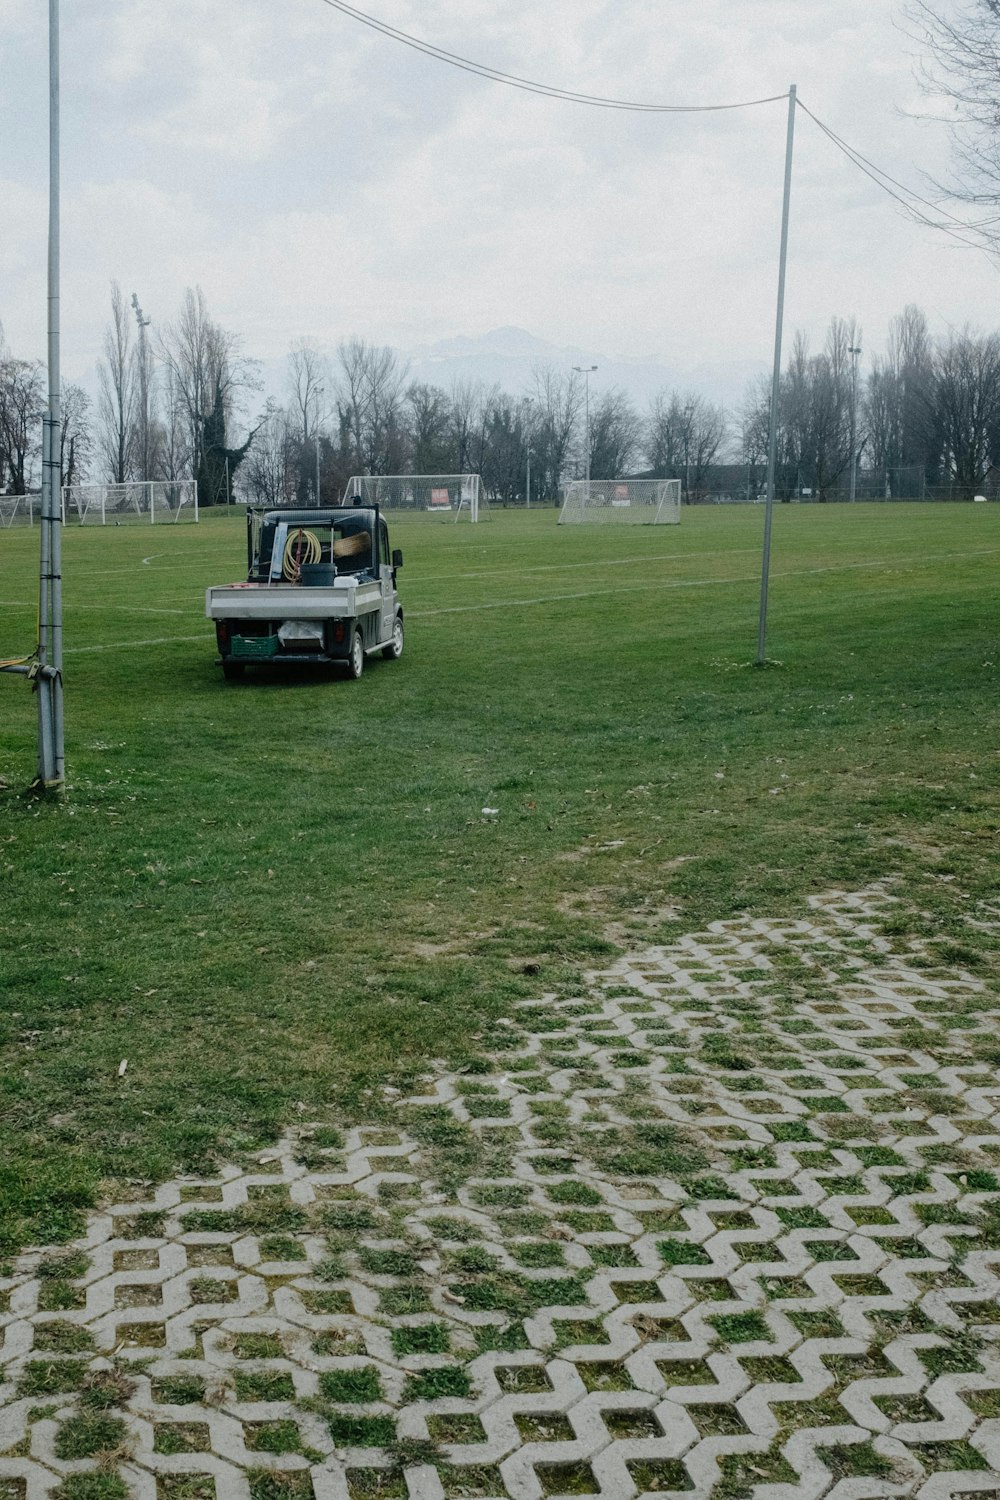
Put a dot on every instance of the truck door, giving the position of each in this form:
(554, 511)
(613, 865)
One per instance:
(388, 615)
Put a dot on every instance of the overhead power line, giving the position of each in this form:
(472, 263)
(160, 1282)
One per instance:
(906, 197)
(531, 86)
(903, 195)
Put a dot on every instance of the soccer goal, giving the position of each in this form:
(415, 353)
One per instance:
(458, 495)
(622, 502)
(149, 500)
(18, 510)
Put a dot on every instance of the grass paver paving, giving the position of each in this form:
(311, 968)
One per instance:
(458, 1326)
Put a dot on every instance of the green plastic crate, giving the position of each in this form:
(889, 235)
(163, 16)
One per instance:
(257, 647)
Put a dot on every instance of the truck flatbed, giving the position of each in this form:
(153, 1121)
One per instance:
(266, 601)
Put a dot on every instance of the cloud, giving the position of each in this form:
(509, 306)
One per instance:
(316, 178)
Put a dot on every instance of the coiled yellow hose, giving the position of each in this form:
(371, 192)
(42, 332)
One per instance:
(302, 547)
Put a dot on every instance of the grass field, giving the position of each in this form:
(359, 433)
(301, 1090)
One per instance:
(271, 897)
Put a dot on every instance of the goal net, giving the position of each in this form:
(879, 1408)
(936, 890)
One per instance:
(622, 502)
(19, 510)
(461, 496)
(150, 500)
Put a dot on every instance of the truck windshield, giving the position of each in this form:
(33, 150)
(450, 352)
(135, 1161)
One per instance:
(285, 547)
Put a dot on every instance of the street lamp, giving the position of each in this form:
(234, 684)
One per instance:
(527, 491)
(319, 392)
(854, 353)
(688, 419)
(586, 371)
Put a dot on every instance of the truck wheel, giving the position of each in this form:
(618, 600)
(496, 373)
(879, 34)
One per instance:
(394, 650)
(356, 660)
(232, 671)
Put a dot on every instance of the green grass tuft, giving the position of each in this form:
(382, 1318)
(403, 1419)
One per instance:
(358, 1385)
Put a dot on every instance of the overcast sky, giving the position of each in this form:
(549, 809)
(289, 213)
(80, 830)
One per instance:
(318, 179)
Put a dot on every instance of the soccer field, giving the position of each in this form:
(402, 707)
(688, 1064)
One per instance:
(271, 897)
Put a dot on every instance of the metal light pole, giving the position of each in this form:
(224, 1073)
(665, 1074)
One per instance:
(586, 371)
(319, 392)
(772, 443)
(527, 490)
(688, 418)
(854, 353)
(143, 323)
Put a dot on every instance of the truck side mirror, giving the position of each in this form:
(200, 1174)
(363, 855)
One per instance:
(397, 558)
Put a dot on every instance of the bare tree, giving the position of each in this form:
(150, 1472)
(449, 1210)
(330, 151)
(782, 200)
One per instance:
(962, 47)
(372, 384)
(708, 432)
(430, 417)
(665, 433)
(755, 433)
(967, 396)
(116, 408)
(306, 376)
(468, 402)
(268, 475)
(22, 403)
(815, 414)
(559, 398)
(77, 442)
(207, 370)
(880, 404)
(171, 436)
(899, 412)
(683, 437)
(508, 425)
(615, 435)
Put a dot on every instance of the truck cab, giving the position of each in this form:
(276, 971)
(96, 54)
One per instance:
(320, 588)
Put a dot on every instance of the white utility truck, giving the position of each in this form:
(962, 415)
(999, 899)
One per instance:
(320, 588)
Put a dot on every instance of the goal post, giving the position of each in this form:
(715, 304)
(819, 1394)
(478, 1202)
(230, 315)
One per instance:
(18, 510)
(149, 501)
(622, 502)
(461, 496)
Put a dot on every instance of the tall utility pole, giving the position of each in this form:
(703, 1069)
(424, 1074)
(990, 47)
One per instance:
(527, 485)
(143, 322)
(854, 353)
(772, 441)
(586, 371)
(51, 759)
(44, 667)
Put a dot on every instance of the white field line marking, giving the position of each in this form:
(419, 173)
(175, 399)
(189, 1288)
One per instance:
(152, 558)
(120, 609)
(163, 640)
(686, 583)
(133, 609)
(696, 583)
(128, 609)
(614, 562)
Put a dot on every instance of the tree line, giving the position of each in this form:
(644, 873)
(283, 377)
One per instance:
(169, 400)
(924, 419)
(362, 414)
(165, 405)
(923, 416)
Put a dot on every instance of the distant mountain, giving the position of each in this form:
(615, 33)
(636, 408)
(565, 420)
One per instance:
(509, 357)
